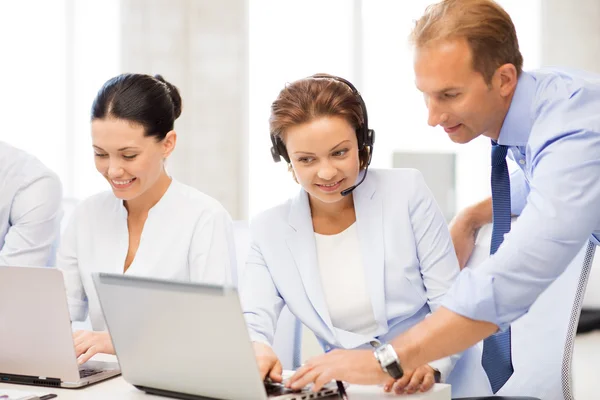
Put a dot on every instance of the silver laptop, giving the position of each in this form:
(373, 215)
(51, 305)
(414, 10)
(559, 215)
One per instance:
(185, 340)
(36, 340)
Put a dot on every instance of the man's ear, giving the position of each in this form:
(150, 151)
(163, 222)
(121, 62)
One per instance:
(506, 76)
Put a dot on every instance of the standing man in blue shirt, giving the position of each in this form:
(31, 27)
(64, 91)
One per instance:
(469, 68)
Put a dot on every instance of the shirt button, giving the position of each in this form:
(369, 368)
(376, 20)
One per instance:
(522, 162)
(375, 343)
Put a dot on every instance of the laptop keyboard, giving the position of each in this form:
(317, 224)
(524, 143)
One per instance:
(84, 373)
(278, 389)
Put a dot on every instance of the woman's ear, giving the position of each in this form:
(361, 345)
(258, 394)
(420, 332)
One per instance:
(291, 169)
(169, 143)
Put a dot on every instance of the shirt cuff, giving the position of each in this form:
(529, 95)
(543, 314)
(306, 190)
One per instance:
(444, 365)
(472, 296)
(78, 309)
(258, 337)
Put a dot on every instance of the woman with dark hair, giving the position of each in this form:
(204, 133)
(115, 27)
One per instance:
(149, 224)
(358, 256)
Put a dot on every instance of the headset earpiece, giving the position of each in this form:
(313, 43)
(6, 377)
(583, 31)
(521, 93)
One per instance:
(278, 150)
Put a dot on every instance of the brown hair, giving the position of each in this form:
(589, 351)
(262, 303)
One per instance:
(307, 99)
(485, 25)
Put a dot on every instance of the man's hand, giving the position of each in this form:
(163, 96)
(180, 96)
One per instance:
(352, 366)
(268, 363)
(88, 344)
(464, 227)
(421, 379)
(463, 236)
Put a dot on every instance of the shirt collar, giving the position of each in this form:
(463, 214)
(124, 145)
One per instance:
(519, 119)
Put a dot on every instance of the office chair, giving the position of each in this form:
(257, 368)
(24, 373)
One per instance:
(288, 334)
(543, 339)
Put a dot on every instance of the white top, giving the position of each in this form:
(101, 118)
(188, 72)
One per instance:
(30, 210)
(187, 236)
(343, 280)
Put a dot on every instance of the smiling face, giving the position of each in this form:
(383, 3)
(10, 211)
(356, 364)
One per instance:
(457, 96)
(131, 162)
(324, 157)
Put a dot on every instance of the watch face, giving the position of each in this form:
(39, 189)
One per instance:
(395, 371)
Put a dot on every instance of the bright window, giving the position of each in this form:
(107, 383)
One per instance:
(54, 61)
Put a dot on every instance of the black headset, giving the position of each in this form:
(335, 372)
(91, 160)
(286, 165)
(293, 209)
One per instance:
(364, 135)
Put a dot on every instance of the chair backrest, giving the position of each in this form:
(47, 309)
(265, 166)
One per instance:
(543, 339)
(288, 334)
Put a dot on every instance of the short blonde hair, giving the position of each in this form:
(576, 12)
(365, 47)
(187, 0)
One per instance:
(485, 25)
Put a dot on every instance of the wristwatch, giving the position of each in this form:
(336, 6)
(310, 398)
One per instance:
(388, 359)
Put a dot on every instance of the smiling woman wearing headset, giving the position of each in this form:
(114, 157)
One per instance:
(358, 256)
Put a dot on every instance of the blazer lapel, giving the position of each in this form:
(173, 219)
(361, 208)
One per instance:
(369, 219)
(301, 243)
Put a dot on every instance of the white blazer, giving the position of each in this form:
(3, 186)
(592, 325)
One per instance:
(406, 250)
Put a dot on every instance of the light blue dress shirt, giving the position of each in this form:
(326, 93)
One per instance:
(553, 130)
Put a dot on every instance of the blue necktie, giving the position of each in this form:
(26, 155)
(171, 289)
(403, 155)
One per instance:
(496, 359)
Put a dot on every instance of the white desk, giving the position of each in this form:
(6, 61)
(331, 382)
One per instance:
(118, 389)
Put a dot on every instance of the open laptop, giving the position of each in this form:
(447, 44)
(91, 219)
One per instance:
(185, 340)
(36, 340)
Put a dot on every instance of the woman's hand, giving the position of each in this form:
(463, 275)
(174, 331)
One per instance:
(268, 363)
(421, 379)
(353, 366)
(89, 343)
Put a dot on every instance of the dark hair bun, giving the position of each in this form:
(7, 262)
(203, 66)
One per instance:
(174, 93)
(140, 98)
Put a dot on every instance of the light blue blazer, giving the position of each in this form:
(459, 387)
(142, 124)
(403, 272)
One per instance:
(406, 250)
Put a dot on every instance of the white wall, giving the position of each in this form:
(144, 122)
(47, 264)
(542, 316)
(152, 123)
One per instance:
(201, 47)
(571, 34)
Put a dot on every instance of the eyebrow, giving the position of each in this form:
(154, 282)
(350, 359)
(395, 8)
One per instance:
(333, 148)
(444, 90)
(449, 89)
(121, 149)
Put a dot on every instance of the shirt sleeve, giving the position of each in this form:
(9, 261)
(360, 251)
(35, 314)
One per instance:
(562, 211)
(67, 262)
(212, 249)
(439, 265)
(261, 301)
(34, 231)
